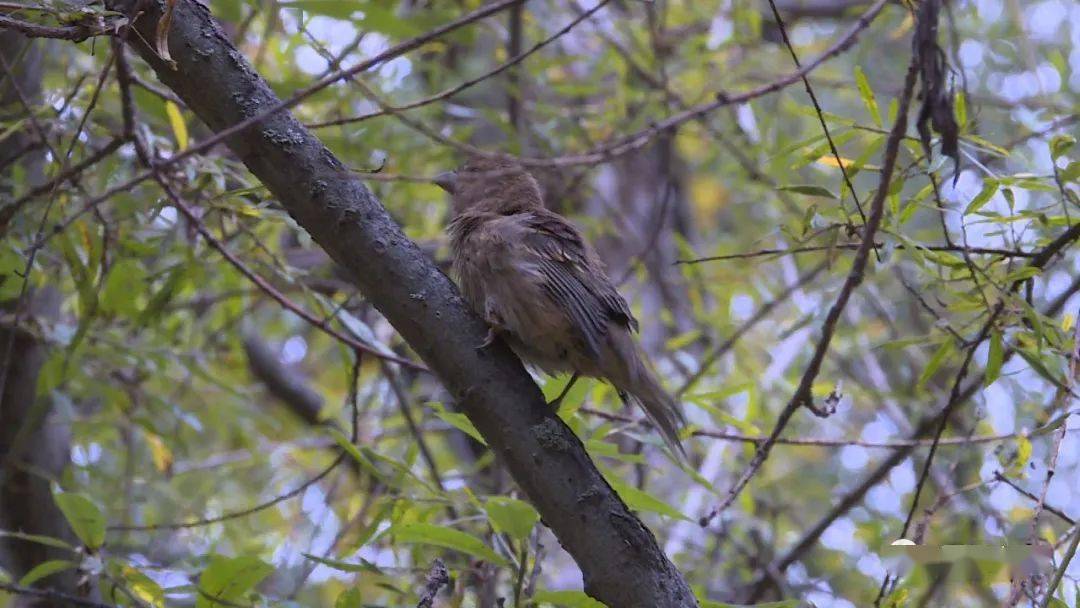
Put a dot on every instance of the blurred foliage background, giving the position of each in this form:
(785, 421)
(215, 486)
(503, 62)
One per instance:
(191, 427)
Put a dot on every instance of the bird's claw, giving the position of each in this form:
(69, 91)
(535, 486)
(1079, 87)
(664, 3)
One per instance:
(489, 339)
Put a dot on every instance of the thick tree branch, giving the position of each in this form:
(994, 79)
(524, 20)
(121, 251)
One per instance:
(620, 560)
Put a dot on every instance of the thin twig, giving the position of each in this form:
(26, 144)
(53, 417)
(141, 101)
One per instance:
(448, 93)
(9, 210)
(75, 33)
(803, 396)
(998, 476)
(710, 358)
(1007, 253)
(817, 109)
(1060, 572)
(272, 291)
(206, 521)
(603, 153)
(815, 442)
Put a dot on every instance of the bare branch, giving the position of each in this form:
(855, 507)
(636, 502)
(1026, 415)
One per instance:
(75, 33)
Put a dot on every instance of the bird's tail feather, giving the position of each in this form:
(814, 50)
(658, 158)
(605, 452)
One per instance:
(662, 411)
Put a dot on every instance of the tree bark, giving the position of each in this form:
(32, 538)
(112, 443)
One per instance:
(34, 443)
(620, 560)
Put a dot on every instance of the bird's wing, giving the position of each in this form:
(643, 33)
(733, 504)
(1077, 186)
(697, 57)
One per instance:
(573, 279)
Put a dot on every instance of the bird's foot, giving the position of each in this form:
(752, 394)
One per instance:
(489, 339)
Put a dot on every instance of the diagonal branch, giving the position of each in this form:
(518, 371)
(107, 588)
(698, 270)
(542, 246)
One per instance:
(803, 396)
(621, 562)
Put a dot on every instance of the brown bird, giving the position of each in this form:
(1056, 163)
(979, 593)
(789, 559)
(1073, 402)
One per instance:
(529, 273)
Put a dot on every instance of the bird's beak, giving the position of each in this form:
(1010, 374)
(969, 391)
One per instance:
(447, 181)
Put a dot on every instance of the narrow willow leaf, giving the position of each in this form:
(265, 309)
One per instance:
(1039, 366)
(867, 95)
(990, 187)
(994, 359)
(337, 564)
(808, 189)
(960, 104)
(457, 420)
(935, 362)
(176, 121)
(449, 538)
(44, 569)
(37, 538)
(640, 500)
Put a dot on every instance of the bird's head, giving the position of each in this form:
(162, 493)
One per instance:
(497, 184)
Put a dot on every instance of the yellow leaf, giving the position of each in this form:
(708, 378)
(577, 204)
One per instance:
(708, 197)
(830, 161)
(178, 126)
(1068, 322)
(159, 452)
(904, 26)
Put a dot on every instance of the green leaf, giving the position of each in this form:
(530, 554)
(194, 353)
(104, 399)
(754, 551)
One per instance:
(511, 516)
(44, 569)
(1071, 172)
(867, 95)
(567, 599)
(574, 398)
(1039, 366)
(960, 103)
(639, 500)
(989, 147)
(935, 362)
(350, 598)
(338, 564)
(808, 189)
(457, 420)
(228, 579)
(178, 276)
(1060, 144)
(369, 459)
(143, 587)
(84, 517)
(10, 264)
(37, 538)
(449, 538)
(995, 358)
(125, 281)
(990, 187)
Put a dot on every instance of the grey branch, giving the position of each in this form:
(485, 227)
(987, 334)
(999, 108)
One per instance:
(282, 382)
(437, 578)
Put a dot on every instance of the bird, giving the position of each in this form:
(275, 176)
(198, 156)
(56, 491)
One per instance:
(541, 287)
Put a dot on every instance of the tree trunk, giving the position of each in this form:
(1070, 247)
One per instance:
(34, 443)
